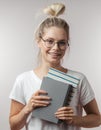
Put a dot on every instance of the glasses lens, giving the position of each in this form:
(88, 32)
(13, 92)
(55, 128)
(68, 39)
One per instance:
(49, 43)
(62, 44)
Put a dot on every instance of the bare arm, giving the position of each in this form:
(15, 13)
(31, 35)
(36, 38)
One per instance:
(19, 112)
(92, 119)
(18, 115)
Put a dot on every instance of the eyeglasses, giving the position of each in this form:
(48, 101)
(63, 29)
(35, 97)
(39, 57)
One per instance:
(49, 43)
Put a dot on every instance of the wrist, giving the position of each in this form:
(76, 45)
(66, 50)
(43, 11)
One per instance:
(69, 122)
(72, 121)
(27, 110)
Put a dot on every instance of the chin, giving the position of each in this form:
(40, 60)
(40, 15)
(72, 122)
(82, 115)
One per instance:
(54, 61)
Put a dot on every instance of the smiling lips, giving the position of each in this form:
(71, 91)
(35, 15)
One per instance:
(54, 54)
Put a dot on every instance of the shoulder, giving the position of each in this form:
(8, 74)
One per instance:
(77, 74)
(24, 76)
(80, 77)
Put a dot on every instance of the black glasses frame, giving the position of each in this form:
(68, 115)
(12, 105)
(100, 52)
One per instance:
(61, 46)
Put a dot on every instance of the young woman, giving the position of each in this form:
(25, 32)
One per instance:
(52, 38)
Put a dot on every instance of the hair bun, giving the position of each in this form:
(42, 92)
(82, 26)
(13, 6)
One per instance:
(55, 9)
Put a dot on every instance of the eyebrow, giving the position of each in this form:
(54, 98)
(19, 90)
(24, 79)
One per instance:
(57, 40)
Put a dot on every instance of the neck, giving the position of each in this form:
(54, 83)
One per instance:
(43, 69)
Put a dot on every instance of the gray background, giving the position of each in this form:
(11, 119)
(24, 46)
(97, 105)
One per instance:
(18, 19)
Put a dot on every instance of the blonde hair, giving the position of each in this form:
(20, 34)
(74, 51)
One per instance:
(53, 11)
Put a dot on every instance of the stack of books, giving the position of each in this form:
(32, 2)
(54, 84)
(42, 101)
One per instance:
(60, 87)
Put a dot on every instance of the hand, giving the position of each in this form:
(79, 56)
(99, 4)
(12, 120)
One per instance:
(39, 99)
(66, 114)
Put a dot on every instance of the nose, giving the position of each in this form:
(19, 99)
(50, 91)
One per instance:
(55, 47)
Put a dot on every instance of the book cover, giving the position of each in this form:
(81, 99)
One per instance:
(63, 77)
(61, 94)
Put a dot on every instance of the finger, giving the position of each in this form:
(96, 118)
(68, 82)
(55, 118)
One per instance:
(39, 103)
(40, 92)
(41, 98)
(64, 118)
(34, 105)
(65, 115)
(64, 112)
(65, 108)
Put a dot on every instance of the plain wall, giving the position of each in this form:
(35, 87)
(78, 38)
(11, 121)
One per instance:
(18, 51)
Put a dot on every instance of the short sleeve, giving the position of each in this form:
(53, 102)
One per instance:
(17, 93)
(86, 92)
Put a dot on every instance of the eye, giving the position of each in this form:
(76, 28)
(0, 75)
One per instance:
(62, 43)
(49, 41)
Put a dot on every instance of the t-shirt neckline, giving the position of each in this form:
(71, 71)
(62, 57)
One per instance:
(40, 80)
(36, 77)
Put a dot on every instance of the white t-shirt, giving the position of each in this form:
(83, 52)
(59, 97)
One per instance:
(28, 83)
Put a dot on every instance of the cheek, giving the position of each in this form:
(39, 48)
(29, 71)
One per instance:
(44, 50)
(63, 52)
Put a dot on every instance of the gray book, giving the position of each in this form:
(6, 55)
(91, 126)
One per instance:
(61, 94)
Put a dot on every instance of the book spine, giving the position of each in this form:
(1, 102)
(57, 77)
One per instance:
(68, 97)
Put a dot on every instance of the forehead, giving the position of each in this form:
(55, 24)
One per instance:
(55, 32)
